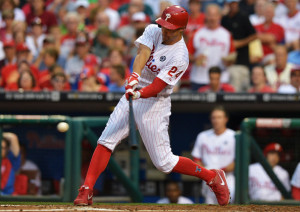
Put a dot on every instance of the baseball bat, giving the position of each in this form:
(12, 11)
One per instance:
(132, 129)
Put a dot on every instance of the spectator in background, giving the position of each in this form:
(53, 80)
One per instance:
(295, 182)
(127, 10)
(173, 195)
(11, 5)
(10, 73)
(279, 73)
(59, 81)
(50, 56)
(209, 45)
(294, 86)
(33, 173)
(259, 81)
(138, 22)
(7, 171)
(291, 24)
(215, 84)
(216, 148)
(82, 57)
(26, 82)
(102, 42)
(9, 48)
(258, 17)
(261, 187)
(89, 81)
(113, 15)
(243, 33)
(81, 7)
(38, 10)
(196, 18)
(269, 33)
(71, 21)
(117, 79)
(6, 31)
(35, 40)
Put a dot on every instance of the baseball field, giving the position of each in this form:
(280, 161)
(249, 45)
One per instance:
(43, 207)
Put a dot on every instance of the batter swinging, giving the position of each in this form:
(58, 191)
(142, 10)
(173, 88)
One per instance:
(161, 61)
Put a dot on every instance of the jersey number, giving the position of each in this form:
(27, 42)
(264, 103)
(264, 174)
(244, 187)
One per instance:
(173, 71)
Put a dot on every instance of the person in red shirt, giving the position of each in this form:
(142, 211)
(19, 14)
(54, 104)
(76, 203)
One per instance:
(259, 81)
(215, 84)
(269, 33)
(49, 59)
(38, 10)
(26, 82)
(10, 73)
(89, 81)
(196, 18)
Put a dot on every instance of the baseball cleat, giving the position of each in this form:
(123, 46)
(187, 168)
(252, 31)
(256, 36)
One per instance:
(85, 196)
(219, 186)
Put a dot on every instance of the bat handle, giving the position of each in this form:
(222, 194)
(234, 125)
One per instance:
(132, 128)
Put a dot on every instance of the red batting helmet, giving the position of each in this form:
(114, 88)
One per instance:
(173, 17)
(272, 147)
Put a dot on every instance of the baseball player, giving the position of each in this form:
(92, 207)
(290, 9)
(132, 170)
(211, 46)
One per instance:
(161, 60)
(216, 148)
(295, 182)
(261, 187)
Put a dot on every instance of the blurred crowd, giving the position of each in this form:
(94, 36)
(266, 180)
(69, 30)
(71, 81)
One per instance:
(88, 45)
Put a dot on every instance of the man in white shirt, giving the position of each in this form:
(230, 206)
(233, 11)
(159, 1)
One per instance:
(209, 47)
(261, 187)
(216, 148)
(294, 86)
(173, 195)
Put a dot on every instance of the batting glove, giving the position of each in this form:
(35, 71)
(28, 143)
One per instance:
(132, 81)
(134, 94)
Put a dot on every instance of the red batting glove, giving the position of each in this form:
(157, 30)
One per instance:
(132, 81)
(134, 94)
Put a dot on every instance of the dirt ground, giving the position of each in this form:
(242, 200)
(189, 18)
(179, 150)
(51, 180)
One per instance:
(147, 208)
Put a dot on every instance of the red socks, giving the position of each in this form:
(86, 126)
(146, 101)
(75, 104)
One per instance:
(188, 167)
(98, 163)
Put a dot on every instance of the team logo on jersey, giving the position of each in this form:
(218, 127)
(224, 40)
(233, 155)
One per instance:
(162, 58)
(168, 15)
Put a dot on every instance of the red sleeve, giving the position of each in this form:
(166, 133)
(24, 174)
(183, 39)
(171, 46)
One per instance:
(153, 89)
(228, 88)
(5, 174)
(296, 193)
(232, 48)
(190, 44)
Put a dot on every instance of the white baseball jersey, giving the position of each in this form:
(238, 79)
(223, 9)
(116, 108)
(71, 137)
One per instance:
(168, 62)
(291, 26)
(261, 186)
(216, 151)
(296, 177)
(181, 200)
(214, 44)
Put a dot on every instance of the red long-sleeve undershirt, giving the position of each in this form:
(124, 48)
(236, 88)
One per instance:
(153, 89)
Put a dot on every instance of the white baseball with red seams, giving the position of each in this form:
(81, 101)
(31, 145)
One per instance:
(167, 62)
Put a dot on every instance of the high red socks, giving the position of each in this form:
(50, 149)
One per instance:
(98, 163)
(188, 167)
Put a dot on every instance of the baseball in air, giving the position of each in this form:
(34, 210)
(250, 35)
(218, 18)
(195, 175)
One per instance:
(62, 126)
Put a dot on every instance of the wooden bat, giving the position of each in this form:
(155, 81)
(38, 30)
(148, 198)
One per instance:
(132, 128)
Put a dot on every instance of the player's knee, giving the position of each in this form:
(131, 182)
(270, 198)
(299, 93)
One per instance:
(165, 166)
